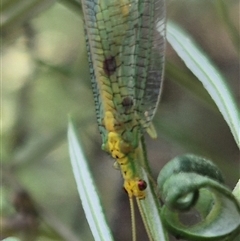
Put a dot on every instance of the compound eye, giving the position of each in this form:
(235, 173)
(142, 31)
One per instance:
(142, 185)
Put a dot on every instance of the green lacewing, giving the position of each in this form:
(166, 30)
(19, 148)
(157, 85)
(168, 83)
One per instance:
(125, 42)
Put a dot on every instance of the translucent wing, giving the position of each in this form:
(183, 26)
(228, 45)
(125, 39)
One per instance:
(126, 46)
(150, 59)
(97, 99)
(106, 26)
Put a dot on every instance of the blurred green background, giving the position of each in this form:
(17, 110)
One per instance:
(45, 77)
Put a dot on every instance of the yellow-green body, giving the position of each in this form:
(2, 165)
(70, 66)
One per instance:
(125, 154)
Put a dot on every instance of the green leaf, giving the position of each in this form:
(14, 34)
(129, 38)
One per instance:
(11, 239)
(149, 207)
(87, 189)
(207, 73)
(150, 211)
(236, 191)
(193, 185)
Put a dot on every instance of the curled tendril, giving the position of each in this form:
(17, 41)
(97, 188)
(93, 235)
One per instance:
(197, 205)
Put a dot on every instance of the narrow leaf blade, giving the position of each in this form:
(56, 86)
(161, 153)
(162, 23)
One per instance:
(207, 73)
(86, 188)
(150, 210)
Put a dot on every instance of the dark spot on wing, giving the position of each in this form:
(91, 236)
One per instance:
(109, 65)
(127, 103)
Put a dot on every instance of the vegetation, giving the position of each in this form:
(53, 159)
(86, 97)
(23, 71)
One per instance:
(45, 77)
